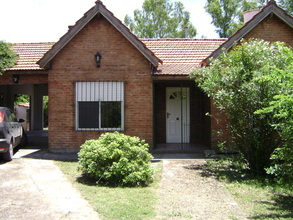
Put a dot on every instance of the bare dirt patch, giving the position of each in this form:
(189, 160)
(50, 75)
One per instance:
(185, 193)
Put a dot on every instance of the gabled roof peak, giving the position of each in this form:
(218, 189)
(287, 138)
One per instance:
(270, 9)
(99, 8)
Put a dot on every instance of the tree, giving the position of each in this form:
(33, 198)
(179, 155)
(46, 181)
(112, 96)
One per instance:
(237, 83)
(160, 19)
(287, 5)
(8, 57)
(282, 108)
(227, 14)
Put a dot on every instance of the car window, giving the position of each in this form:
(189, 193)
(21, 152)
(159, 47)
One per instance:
(11, 117)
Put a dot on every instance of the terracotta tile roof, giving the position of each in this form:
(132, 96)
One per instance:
(29, 54)
(180, 56)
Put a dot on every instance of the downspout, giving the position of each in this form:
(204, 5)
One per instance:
(181, 116)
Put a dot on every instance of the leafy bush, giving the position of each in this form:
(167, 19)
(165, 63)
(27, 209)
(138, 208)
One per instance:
(238, 81)
(116, 159)
(282, 109)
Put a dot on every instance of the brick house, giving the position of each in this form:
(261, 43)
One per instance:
(100, 77)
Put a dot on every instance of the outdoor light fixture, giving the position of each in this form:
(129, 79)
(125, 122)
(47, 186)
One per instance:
(98, 58)
(15, 78)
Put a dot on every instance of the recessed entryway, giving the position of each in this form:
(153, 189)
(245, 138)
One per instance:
(177, 114)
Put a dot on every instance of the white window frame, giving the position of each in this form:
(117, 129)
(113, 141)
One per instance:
(99, 92)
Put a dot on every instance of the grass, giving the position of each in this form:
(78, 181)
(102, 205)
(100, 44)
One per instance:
(259, 196)
(116, 202)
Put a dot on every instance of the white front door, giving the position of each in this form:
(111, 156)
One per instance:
(178, 115)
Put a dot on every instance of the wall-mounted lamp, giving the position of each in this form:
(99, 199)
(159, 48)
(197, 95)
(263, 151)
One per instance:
(98, 58)
(15, 78)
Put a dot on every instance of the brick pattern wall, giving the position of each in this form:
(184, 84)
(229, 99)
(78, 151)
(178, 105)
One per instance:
(121, 61)
(219, 133)
(25, 77)
(270, 29)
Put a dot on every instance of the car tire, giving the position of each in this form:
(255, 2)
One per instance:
(7, 156)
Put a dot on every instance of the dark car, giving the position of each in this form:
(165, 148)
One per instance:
(11, 133)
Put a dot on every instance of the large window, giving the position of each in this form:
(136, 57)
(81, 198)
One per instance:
(99, 105)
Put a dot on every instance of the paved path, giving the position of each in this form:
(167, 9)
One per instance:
(186, 194)
(36, 189)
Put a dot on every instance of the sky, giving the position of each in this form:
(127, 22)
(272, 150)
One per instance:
(24, 21)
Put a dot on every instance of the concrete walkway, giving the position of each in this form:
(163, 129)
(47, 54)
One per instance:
(32, 187)
(184, 193)
(36, 189)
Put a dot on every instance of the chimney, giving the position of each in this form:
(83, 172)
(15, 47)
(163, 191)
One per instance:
(248, 15)
(186, 32)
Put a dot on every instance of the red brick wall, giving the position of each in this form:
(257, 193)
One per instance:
(219, 133)
(25, 77)
(121, 61)
(270, 29)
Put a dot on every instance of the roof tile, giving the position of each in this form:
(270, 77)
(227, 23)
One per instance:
(179, 56)
(29, 54)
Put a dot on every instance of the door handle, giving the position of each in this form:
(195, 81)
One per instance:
(168, 114)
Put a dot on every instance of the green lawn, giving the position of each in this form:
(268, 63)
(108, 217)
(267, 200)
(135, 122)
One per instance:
(262, 202)
(259, 196)
(116, 202)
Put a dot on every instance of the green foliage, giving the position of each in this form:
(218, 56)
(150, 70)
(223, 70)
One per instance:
(287, 5)
(282, 109)
(45, 109)
(282, 164)
(21, 99)
(8, 57)
(160, 19)
(227, 14)
(116, 202)
(116, 159)
(237, 82)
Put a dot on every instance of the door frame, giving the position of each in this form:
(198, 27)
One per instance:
(180, 116)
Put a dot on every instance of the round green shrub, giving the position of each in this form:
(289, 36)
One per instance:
(116, 159)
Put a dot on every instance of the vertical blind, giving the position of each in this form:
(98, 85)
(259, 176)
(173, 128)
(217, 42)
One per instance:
(99, 91)
(99, 105)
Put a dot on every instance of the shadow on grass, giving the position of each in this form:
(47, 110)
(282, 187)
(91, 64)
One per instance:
(90, 181)
(281, 207)
(86, 180)
(280, 203)
(117, 181)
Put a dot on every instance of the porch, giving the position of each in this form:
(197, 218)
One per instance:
(181, 124)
